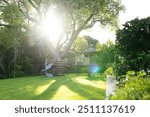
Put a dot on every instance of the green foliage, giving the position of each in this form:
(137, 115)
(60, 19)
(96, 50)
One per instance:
(79, 45)
(17, 74)
(130, 74)
(26, 64)
(141, 74)
(12, 15)
(20, 16)
(9, 38)
(133, 89)
(10, 42)
(84, 69)
(91, 41)
(109, 71)
(83, 43)
(132, 45)
(16, 57)
(80, 15)
(105, 54)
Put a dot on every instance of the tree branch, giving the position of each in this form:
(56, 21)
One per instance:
(84, 24)
(26, 14)
(35, 6)
(61, 45)
(76, 33)
(8, 25)
(6, 2)
(13, 26)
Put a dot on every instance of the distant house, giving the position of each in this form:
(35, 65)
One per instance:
(87, 57)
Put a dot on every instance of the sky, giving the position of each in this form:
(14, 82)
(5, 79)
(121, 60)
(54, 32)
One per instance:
(134, 8)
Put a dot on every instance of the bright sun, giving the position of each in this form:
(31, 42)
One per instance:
(51, 26)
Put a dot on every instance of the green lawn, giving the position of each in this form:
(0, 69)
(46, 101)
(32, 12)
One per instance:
(69, 87)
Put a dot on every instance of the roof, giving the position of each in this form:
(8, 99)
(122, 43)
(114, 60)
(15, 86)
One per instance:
(90, 50)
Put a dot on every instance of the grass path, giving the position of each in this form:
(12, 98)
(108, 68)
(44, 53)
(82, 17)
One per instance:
(70, 87)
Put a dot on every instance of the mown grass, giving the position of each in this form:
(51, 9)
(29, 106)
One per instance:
(69, 87)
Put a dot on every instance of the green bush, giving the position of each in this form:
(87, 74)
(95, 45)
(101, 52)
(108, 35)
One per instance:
(84, 69)
(17, 74)
(109, 71)
(132, 46)
(133, 89)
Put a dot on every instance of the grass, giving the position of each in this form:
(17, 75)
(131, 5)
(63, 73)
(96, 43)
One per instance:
(69, 87)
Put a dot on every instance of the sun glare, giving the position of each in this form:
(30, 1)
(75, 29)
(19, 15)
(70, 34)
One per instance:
(51, 26)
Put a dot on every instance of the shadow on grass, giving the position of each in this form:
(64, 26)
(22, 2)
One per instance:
(86, 91)
(64, 87)
(51, 90)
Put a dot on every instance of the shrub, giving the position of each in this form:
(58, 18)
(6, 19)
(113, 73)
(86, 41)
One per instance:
(135, 88)
(84, 69)
(17, 74)
(109, 71)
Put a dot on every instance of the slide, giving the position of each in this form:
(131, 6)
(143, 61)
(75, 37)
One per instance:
(47, 68)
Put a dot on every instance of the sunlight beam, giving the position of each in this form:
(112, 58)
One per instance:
(40, 89)
(51, 25)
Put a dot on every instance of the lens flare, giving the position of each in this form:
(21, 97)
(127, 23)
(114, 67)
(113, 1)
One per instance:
(94, 68)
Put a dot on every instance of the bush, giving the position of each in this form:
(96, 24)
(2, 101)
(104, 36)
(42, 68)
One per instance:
(84, 69)
(17, 74)
(136, 88)
(132, 46)
(109, 71)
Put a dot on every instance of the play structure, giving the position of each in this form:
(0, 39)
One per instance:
(47, 67)
(54, 69)
(57, 67)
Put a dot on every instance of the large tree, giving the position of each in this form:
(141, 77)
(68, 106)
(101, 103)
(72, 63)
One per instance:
(31, 17)
(78, 15)
(132, 45)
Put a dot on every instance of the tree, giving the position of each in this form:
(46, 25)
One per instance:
(11, 36)
(105, 54)
(10, 40)
(91, 42)
(77, 16)
(83, 43)
(79, 45)
(132, 45)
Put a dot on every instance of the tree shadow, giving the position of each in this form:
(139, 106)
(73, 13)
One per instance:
(86, 91)
(51, 90)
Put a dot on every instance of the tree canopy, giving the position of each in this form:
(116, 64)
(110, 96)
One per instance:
(77, 15)
(22, 20)
(133, 44)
